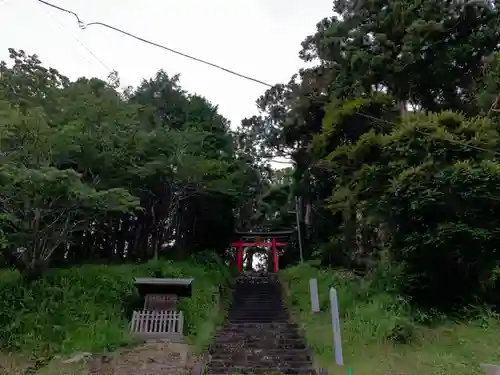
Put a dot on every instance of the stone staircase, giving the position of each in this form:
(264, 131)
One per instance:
(258, 337)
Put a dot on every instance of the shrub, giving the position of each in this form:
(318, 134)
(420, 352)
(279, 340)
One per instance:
(88, 308)
(368, 315)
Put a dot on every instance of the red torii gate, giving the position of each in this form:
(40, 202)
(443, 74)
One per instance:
(239, 245)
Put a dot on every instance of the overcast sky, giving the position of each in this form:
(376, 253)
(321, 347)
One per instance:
(258, 38)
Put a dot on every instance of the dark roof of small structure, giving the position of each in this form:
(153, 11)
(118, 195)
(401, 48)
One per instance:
(153, 285)
(162, 281)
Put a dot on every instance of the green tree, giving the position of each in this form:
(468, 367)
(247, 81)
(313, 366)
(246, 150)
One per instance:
(153, 171)
(373, 151)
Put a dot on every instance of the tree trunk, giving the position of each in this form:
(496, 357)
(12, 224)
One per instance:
(250, 254)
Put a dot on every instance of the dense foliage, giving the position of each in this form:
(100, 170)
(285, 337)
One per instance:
(394, 135)
(393, 132)
(381, 333)
(86, 308)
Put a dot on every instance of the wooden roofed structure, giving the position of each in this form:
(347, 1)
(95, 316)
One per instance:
(159, 319)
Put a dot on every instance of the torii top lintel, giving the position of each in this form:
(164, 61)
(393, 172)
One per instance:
(280, 233)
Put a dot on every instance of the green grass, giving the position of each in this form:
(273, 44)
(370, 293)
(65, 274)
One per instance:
(378, 334)
(214, 318)
(88, 308)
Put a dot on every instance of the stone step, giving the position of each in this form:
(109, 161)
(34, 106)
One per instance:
(254, 288)
(271, 304)
(228, 346)
(239, 345)
(258, 337)
(274, 300)
(238, 294)
(249, 312)
(272, 325)
(257, 318)
(258, 307)
(264, 305)
(257, 286)
(253, 291)
(270, 298)
(258, 297)
(225, 350)
(274, 356)
(252, 336)
(255, 307)
(257, 311)
(243, 370)
(248, 338)
(149, 369)
(259, 327)
(271, 362)
(266, 342)
(229, 337)
(260, 321)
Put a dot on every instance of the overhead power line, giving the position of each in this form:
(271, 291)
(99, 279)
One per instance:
(89, 51)
(102, 63)
(84, 25)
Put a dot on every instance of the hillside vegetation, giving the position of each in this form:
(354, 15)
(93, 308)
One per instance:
(96, 185)
(88, 308)
(394, 135)
(89, 173)
(381, 334)
(99, 185)
(393, 130)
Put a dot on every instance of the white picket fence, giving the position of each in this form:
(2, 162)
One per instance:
(157, 325)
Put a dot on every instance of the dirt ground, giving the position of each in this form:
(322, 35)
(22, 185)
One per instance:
(145, 359)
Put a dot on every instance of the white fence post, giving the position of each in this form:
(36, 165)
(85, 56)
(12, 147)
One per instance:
(491, 369)
(181, 323)
(337, 341)
(313, 287)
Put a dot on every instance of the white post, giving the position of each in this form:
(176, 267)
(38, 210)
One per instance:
(181, 323)
(337, 341)
(298, 209)
(313, 287)
(491, 369)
